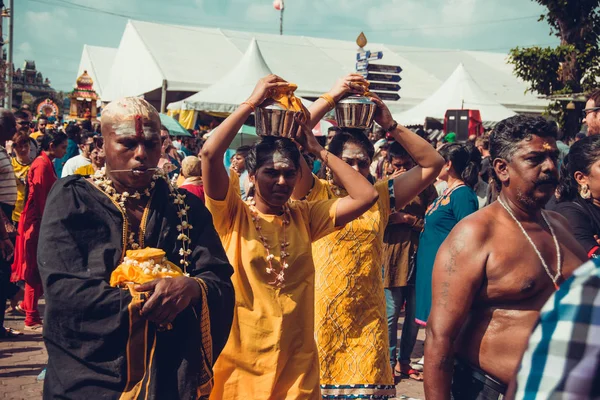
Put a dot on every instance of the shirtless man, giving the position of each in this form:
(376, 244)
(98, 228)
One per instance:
(493, 274)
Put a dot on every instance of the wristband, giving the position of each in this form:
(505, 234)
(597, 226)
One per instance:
(392, 127)
(325, 159)
(249, 104)
(328, 99)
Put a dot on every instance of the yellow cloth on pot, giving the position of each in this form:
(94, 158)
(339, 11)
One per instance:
(143, 265)
(284, 96)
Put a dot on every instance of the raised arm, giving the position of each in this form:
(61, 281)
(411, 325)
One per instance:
(429, 162)
(361, 194)
(457, 276)
(214, 174)
(350, 83)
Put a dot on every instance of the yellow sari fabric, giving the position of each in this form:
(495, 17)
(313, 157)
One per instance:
(350, 314)
(271, 352)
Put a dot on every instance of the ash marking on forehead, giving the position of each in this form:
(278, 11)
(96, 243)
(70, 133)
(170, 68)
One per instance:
(130, 116)
(281, 161)
(354, 153)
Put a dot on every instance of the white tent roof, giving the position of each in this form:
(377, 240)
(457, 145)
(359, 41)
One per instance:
(460, 91)
(194, 58)
(232, 89)
(97, 61)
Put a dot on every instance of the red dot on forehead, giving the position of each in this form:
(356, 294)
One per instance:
(139, 126)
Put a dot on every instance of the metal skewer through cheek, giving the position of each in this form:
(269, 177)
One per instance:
(135, 171)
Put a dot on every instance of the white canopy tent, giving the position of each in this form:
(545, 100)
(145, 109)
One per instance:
(158, 57)
(97, 61)
(233, 88)
(460, 91)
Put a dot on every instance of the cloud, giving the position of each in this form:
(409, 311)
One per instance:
(24, 51)
(38, 17)
(58, 19)
(409, 17)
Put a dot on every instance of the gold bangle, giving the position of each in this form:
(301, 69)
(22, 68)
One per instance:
(249, 104)
(329, 99)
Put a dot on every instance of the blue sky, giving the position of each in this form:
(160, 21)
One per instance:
(53, 32)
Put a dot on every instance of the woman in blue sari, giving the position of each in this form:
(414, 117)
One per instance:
(456, 202)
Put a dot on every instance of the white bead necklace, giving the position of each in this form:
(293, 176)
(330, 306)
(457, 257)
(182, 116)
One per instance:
(184, 227)
(558, 257)
(283, 255)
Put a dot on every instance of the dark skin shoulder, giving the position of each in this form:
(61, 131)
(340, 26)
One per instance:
(458, 274)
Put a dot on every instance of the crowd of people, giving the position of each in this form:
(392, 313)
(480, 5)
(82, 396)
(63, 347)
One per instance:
(298, 260)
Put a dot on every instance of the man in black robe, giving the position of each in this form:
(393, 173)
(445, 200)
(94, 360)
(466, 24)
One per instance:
(160, 340)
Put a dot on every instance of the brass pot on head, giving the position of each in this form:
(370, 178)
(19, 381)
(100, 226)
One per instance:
(274, 120)
(355, 112)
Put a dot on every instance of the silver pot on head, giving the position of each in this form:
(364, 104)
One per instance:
(273, 120)
(355, 112)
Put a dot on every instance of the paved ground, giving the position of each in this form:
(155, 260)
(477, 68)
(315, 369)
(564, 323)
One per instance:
(22, 359)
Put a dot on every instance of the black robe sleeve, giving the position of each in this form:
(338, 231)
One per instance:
(80, 244)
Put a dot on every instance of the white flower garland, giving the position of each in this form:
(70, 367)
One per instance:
(184, 227)
(279, 276)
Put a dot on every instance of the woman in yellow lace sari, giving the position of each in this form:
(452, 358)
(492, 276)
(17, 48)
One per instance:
(350, 319)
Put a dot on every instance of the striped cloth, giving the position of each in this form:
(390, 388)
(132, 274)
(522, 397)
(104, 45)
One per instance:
(8, 181)
(563, 357)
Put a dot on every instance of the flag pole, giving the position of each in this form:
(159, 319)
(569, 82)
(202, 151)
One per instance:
(281, 18)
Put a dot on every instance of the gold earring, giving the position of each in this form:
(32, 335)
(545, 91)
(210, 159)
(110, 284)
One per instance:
(584, 192)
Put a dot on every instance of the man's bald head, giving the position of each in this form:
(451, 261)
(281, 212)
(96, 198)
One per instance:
(8, 125)
(130, 116)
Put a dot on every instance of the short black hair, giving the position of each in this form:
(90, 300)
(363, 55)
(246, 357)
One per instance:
(243, 151)
(21, 115)
(505, 138)
(42, 116)
(86, 125)
(262, 152)
(52, 136)
(85, 135)
(354, 136)
(397, 151)
(73, 131)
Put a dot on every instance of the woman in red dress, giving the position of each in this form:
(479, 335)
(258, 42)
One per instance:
(40, 179)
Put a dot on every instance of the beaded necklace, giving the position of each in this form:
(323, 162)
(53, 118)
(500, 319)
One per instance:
(279, 277)
(184, 227)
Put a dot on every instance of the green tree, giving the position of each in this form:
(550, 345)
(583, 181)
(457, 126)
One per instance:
(570, 68)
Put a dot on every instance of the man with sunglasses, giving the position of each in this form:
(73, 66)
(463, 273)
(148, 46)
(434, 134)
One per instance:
(591, 113)
(23, 119)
